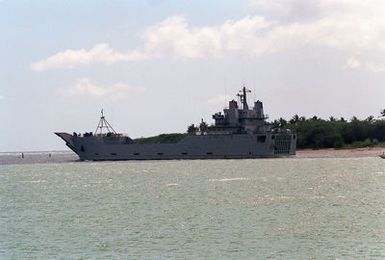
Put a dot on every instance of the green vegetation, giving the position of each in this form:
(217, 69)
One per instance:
(334, 133)
(313, 132)
(163, 138)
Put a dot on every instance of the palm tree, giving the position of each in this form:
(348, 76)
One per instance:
(382, 112)
(370, 118)
(294, 120)
(275, 124)
(282, 122)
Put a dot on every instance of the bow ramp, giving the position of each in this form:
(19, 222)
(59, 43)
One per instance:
(68, 139)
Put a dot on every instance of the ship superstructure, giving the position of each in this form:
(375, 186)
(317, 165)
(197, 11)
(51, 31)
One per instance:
(240, 132)
(241, 120)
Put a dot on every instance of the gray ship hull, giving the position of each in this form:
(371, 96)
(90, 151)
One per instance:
(238, 133)
(210, 146)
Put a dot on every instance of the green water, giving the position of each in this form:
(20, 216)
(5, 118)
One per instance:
(222, 209)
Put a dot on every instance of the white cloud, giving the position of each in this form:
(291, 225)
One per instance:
(355, 63)
(348, 26)
(84, 87)
(375, 67)
(100, 53)
(172, 37)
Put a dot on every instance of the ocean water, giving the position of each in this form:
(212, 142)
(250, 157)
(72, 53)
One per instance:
(293, 208)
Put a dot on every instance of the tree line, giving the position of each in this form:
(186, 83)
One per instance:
(334, 132)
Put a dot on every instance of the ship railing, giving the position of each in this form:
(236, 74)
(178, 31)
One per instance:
(282, 131)
(263, 117)
(111, 135)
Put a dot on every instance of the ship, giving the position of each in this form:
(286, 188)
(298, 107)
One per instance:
(239, 132)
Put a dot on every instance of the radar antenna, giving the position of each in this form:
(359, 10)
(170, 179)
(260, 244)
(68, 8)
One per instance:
(243, 97)
(103, 124)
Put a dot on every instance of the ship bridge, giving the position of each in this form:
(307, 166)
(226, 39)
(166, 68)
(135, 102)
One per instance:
(242, 119)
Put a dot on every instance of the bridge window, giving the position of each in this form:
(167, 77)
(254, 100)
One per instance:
(261, 139)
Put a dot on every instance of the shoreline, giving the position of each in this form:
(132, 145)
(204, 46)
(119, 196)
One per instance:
(340, 152)
(68, 156)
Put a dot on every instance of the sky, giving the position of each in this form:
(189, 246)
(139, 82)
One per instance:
(156, 66)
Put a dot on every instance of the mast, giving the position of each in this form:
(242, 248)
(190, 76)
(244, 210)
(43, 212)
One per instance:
(103, 124)
(243, 97)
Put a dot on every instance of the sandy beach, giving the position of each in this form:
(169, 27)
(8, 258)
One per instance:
(340, 153)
